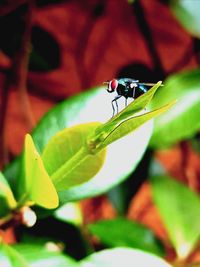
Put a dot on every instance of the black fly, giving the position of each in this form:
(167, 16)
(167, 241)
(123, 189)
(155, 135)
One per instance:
(126, 87)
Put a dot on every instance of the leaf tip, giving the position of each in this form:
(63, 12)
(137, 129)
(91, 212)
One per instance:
(160, 83)
(28, 139)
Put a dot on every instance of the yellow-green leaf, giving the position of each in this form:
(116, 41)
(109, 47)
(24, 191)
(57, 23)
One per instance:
(67, 158)
(37, 183)
(7, 199)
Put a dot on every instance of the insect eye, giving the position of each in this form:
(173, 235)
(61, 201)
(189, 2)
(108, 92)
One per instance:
(113, 85)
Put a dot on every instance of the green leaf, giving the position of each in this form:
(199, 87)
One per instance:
(195, 144)
(122, 232)
(187, 12)
(130, 124)
(12, 173)
(118, 257)
(182, 120)
(67, 159)
(122, 157)
(7, 199)
(36, 184)
(180, 211)
(9, 257)
(40, 256)
(70, 212)
(83, 108)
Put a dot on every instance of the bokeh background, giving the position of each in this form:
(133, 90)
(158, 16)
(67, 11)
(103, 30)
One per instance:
(76, 45)
(51, 50)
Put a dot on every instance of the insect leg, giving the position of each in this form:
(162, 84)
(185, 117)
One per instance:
(125, 101)
(113, 107)
(134, 92)
(115, 100)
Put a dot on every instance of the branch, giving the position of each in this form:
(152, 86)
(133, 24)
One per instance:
(21, 67)
(17, 75)
(147, 35)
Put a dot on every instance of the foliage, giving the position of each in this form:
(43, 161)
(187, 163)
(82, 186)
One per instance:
(182, 121)
(35, 184)
(180, 198)
(126, 233)
(187, 13)
(116, 257)
(77, 151)
(7, 199)
(93, 138)
(67, 154)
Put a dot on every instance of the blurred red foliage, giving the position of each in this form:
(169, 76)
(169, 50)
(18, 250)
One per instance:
(96, 41)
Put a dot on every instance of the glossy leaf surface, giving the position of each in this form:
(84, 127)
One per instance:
(118, 164)
(182, 120)
(90, 106)
(36, 183)
(122, 232)
(187, 12)
(7, 199)
(9, 257)
(67, 159)
(180, 211)
(118, 257)
(39, 256)
(70, 213)
(132, 123)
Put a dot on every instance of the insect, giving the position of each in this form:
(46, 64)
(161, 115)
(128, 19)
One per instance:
(126, 87)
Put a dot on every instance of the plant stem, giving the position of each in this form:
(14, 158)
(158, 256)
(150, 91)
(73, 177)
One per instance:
(17, 75)
(21, 67)
(147, 35)
(3, 108)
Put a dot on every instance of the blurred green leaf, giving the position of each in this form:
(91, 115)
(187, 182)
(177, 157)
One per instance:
(67, 159)
(9, 257)
(187, 12)
(195, 143)
(122, 232)
(118, 257)
(7, 199)
(12, 173)
(40, 256)
(36, 184)
(70, 212)
(180, 211)
(182, 120)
